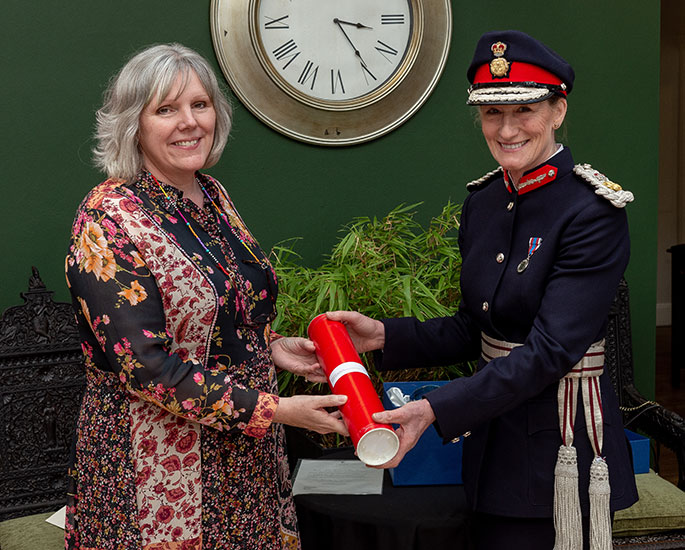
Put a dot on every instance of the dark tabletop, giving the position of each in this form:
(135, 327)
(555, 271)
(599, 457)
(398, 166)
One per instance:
(402, 518)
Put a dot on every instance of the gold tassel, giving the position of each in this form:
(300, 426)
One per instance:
(600, 515)
(567, 519)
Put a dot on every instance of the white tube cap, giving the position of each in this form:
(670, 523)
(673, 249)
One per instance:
(378, 446)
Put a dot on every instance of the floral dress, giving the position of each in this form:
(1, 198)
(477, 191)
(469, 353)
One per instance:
(175, 446)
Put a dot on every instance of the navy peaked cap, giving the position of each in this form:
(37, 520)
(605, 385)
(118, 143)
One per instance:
(513, 67)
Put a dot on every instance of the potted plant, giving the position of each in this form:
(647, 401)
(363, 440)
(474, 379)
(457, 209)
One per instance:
(385, 267)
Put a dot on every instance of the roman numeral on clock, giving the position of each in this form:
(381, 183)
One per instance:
(286, 51)
(384, 49)
(276, 22)
(309, 72)
(392, 19)
(335, 80)
(367, 71)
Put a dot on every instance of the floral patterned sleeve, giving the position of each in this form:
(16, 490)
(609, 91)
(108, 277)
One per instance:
(122, 322)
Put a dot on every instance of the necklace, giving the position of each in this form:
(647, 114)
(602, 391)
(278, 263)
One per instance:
(250, 319)
(172, 202)
(247, 316)
(224, 217)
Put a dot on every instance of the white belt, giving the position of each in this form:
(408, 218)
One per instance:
(567, 518)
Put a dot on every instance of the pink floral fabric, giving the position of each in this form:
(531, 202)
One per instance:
(181, 385)
(166, 459)
(190, 299)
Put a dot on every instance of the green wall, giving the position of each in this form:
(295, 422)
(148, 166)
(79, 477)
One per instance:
(57, 57)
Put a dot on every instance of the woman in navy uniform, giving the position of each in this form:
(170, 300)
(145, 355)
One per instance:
(544, 243)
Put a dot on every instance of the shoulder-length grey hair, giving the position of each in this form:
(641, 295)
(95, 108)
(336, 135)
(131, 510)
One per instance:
(147, 75)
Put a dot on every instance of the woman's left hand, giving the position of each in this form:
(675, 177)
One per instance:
(297, 355)
(311, 412)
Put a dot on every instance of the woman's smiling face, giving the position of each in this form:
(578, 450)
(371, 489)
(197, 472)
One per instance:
(177, 132)
(521, 136)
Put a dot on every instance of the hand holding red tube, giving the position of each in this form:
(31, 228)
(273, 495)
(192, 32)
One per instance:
(375, 443)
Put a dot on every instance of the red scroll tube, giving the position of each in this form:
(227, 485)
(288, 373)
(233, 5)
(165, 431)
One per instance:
(375, 443)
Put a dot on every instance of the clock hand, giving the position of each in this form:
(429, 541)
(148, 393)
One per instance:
(358, 25)
(356, 51)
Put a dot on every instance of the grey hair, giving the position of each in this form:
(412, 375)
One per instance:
(148, 74)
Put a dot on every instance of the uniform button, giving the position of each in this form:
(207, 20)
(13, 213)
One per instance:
(510, 206)
(486, 306)
(500, 258)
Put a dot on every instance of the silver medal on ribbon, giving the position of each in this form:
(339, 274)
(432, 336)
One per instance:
(533, 244)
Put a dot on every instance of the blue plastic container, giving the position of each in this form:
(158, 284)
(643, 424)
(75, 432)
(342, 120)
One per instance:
(430, 462)
(640, 447)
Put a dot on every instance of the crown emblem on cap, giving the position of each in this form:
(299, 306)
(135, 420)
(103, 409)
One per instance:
(499, 66)
(498, 49)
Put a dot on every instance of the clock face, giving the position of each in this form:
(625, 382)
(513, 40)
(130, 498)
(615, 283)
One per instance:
(334, 55)
(332, 72)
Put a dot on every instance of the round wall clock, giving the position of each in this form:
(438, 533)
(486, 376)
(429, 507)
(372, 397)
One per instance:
(328, 72)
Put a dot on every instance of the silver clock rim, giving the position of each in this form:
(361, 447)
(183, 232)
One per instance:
(266, 100)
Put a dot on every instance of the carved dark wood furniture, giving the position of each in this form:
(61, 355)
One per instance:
(662, 426)
(41, 383)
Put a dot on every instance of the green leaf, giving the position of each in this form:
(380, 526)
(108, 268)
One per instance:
(382, 267)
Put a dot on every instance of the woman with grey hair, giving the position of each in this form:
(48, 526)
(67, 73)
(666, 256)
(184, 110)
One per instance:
(179, 440)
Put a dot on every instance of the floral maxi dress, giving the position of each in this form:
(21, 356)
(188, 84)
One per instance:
(175, 447)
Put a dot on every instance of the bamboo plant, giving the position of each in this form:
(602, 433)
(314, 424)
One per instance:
(385, 267)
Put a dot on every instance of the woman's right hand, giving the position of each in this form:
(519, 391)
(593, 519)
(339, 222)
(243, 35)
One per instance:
(309, 412)
(367, 334)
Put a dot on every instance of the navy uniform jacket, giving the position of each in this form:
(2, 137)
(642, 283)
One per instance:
(557, 308)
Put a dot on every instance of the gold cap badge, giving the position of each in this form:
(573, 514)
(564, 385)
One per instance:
(498, 49)
(499, 66)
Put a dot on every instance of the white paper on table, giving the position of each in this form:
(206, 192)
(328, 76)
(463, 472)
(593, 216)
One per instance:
(337, 477)
(58, 517)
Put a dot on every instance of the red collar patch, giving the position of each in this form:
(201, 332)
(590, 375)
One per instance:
(533, 180)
